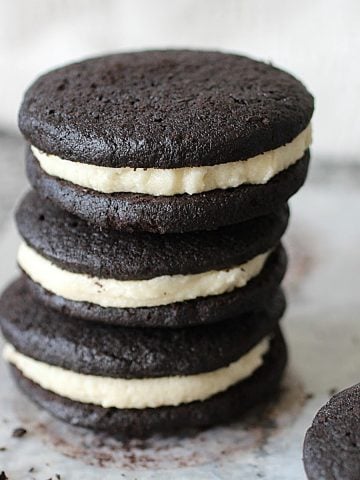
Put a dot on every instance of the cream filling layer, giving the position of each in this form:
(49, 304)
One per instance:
(137, 392)
(154, 181)
(162, 290)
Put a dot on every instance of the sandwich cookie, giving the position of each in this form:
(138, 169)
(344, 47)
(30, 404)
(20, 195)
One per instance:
(148, 279)
(167, 141)
(140, 381)
(332, 443)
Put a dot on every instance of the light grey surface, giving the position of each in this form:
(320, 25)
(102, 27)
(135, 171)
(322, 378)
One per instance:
(322, 327)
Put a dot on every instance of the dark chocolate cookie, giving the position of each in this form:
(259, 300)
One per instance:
(253, 296)
(74, 245)
(332, 443)
(115, 351)
(165, 214)
(164, 109)
(223, 407)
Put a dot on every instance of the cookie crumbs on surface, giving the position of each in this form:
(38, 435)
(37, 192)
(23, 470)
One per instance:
(3, 449)
(19, 432)
(3, 476)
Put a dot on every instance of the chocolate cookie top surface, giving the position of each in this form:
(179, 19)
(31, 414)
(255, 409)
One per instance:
(76, 246)
(164, 109)
(332, 443)
(89, 348)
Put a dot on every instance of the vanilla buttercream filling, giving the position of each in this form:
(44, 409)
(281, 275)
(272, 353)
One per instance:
(162, 290)
(137, 392)
(173, 181)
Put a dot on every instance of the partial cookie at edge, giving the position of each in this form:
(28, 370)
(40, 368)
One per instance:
(332, 443)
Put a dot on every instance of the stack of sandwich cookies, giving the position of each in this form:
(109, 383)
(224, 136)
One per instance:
(151, 258)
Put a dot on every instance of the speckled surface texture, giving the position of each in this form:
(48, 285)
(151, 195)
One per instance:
(332, 444)
(321, 326)
(164, 109)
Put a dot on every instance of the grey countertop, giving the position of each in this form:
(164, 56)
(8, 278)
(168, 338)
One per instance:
(321, 324)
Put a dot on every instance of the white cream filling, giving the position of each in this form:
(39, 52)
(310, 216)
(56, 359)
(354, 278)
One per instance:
(153, 181)
(137, 392)
(108, 292)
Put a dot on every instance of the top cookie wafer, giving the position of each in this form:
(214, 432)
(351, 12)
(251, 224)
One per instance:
(167, 140)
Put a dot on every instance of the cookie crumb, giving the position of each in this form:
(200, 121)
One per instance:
(3, 476)
(3, 449)
(19, 432)
(31, 470)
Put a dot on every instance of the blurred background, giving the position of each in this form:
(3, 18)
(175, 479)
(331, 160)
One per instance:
(317, 40)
